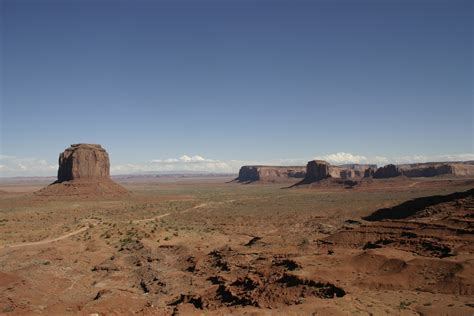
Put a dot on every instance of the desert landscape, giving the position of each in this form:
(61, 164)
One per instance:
(230, 157)
(280, 244)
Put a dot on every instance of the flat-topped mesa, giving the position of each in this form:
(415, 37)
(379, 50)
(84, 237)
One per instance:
(317, 170)
(388, 171)
(89, 161)
(433, 169)
(358, 166)
(270, 173)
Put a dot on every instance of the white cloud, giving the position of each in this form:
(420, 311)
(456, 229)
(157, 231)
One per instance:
(183, 159)
(343, 158)
(381, 160)
(185, 163)
(434, 158)
(6, 157)
(11, 166)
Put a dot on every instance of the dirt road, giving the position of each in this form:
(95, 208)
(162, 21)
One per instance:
(46, 241)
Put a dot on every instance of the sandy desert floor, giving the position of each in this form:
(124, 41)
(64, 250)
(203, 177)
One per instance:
(203, 246)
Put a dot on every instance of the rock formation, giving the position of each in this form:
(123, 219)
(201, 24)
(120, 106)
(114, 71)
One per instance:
(316, 170)
(84, 170)
(433, 169)
(388, 171)
(270, 173)
(358, 167)
(349, 174)
(369, 173)
(83, 161)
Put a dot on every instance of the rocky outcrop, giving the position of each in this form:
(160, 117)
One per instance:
(270, 173)
(248, 174)
(84, 170)
(433, 169)
(358, 167)
(317, 170)
(349, 174)
(350, 171)
(83, 161)
(388, 171)
(369, 172)
(429, 169)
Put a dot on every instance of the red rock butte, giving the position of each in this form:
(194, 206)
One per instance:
(83, 161)
(84, 170)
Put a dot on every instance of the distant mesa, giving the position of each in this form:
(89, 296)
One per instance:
(84, 170)
(428, 169)
(317, 170)
(388, 171)
(433, 169)
(369, 172)
(350, 174)
(249, 174)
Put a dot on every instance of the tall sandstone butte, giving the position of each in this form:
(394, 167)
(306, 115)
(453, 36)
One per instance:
(317, 170)
(84, 170)
(89, 161)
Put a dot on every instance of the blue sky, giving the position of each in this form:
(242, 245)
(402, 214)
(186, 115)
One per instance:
(225, 83)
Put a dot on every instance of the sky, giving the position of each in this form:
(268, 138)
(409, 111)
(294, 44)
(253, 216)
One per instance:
(212, 85)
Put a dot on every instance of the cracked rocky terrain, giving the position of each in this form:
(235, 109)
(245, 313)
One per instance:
(188, 246)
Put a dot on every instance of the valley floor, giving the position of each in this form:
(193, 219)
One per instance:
(194, 246)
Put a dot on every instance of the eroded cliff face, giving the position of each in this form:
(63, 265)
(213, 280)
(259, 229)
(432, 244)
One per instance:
(89, 161)
(84, 170)
(358, 167)
(433, 169)
(388, 171)
(369, 172)
(270, 173)
(248, 174)
(317, 170)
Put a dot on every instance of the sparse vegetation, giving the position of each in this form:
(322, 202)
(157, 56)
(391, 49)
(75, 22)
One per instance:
(404, 304)
(206, 247)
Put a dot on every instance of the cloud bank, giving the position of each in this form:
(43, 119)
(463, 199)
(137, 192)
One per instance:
(12, 166)
(184, 163)
(345, 158)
